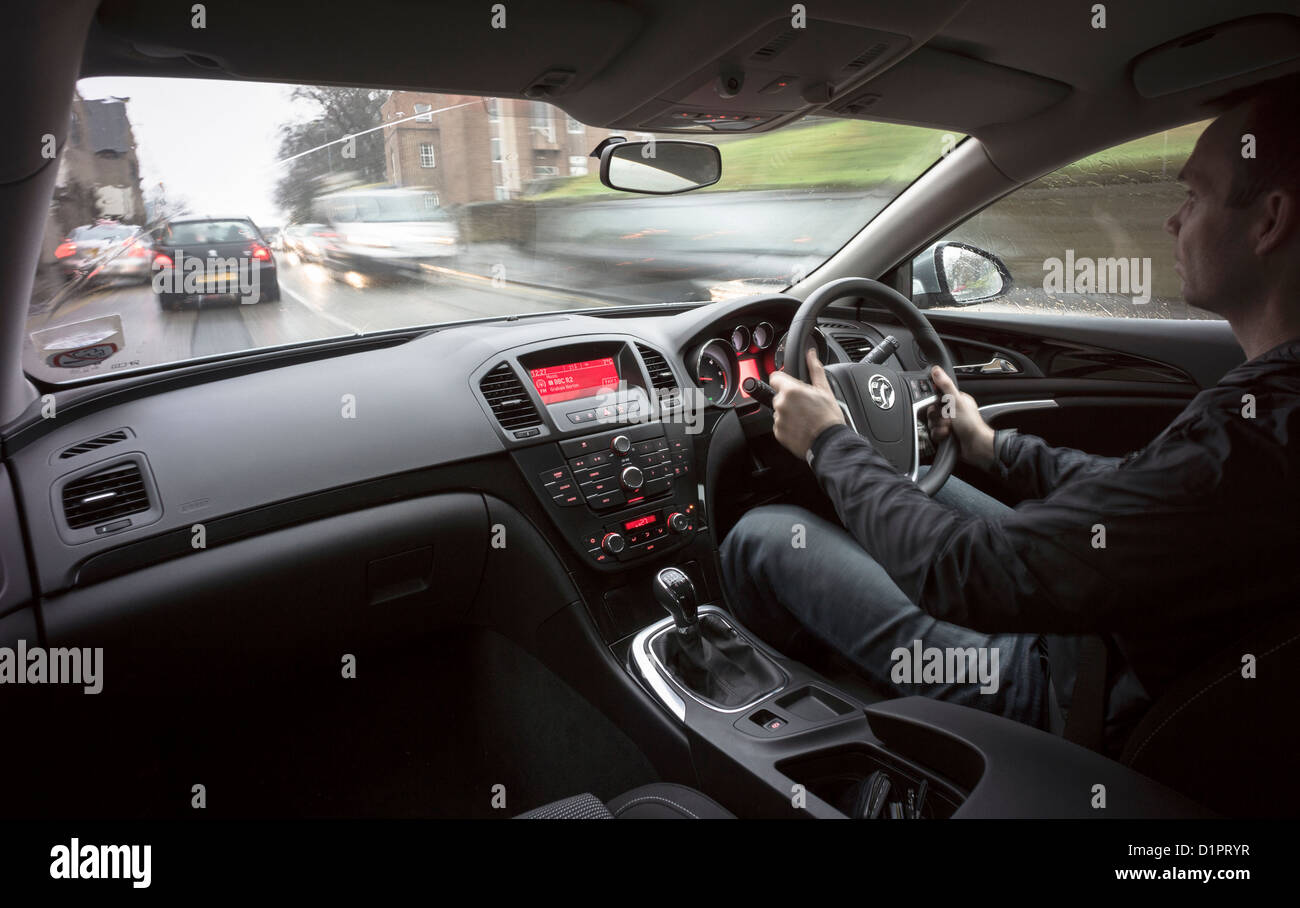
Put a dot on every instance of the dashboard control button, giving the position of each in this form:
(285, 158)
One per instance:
(657, 486)
(601, 487)
(560, 487)
(596, 473)
(678, 522)
(611, 500)
(599, 555)
(587, 461)
(555, 474)
(613, 543)
(620, 444)
(591, 540)
(581, 416)
(649, 446)
(658, 471)
(527, 433)
(632, 478)
(568, 499)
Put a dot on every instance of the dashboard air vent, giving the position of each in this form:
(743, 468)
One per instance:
(661, 376)
(91, 444)
(508, 399)
(855, 345)
(105, 494)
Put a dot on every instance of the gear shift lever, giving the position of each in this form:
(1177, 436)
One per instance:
(676, 593)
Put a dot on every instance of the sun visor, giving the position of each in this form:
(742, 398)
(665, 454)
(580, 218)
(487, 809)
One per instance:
(561, 44)
(1218, 53)
(948, 91)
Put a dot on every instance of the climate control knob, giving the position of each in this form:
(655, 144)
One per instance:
(620, 444)
(678, 522)
(613, 543)
(631, 478)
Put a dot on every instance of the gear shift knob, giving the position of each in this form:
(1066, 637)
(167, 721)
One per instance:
(676, 593)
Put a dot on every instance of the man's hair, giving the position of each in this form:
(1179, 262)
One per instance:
(1273, 118)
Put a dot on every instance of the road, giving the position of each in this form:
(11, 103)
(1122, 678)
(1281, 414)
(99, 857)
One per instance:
(312, 306)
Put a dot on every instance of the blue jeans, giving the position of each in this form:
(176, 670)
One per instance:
(831, 587)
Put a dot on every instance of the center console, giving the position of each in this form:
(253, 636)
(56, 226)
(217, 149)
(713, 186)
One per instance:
(773, 738)
(607, 446)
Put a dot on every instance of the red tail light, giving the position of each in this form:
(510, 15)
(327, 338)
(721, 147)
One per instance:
(162, 260)
(261, 253)
(137, 250)
(65, 249)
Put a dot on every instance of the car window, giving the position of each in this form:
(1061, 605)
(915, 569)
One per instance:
(1088, 239)
(208, 232)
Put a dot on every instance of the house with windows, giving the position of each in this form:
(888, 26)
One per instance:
(472, 149)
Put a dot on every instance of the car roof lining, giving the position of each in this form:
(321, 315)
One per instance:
(1032, 79)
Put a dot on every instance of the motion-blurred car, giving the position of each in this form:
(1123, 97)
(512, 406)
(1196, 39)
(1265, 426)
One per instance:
(274, 237)
(104, 251)
(307, 241)
(388, 231)
(227, 248)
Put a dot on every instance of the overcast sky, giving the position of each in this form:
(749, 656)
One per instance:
(213, 142)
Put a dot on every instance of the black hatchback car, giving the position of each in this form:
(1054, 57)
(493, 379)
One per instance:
(199, 257)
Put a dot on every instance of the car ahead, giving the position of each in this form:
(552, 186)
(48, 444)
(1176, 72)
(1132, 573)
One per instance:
(388, 231)
(307, 241)
(197, 258)
(105, 251)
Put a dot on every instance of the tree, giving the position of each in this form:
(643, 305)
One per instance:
(308, 168)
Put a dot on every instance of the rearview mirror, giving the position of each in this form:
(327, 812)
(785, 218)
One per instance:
(659, 168)
(957, 274)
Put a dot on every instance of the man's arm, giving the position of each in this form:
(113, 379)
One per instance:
(1027, 464)
(1083, 560)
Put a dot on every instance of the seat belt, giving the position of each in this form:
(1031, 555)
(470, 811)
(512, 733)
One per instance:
(1085, 723)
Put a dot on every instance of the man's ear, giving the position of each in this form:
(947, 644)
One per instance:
(1277, 221)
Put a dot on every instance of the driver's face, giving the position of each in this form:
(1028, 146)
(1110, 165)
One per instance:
(1211, 250)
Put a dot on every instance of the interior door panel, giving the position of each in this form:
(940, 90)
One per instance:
(1104, 385)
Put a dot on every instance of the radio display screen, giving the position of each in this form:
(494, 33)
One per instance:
(640, 521)
(569, 381)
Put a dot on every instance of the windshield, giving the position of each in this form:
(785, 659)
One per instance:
(406, 209)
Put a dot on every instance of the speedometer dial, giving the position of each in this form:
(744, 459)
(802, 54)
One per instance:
(715, 372)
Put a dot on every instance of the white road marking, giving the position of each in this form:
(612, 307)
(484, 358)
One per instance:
(351, 329)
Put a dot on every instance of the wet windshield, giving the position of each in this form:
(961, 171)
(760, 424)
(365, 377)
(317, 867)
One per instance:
(406, 209)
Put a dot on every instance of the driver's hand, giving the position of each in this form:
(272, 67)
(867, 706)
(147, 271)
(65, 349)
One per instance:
(957, 412)
(803, 411)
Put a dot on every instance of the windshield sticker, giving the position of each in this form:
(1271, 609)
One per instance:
(85, 343)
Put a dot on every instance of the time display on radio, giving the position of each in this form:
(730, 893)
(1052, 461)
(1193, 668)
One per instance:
(569, 381)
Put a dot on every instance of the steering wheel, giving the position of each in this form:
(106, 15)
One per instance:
(880, 403)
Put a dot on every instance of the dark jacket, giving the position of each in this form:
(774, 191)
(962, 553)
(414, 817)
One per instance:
(1201, 528)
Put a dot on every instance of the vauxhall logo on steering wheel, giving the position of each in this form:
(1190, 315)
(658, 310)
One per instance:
(881, 391)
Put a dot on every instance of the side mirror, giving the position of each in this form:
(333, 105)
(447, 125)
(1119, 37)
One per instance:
(659, 167)
(957, 274)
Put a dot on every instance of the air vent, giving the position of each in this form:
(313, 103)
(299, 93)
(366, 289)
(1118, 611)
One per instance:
(92, 444)
(508, 399)
(855, 345)
(661, 376)
(866, 58)
(104, 495)
(774, 47)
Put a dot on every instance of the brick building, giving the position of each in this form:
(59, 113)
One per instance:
(471, 149)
